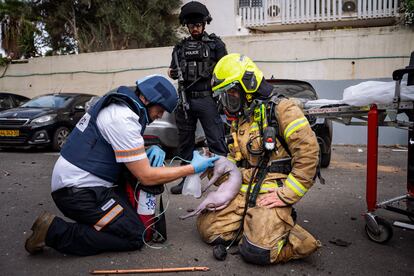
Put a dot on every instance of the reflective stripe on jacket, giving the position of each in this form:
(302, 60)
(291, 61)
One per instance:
(304, 148)
(264, 188)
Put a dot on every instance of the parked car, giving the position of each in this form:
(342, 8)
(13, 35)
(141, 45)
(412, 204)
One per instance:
(10, 100)
(45, 120)
(164, 132)
(322, 127)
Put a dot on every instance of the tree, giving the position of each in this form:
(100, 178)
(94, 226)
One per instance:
(18, 29)
(100, 25)
(408, 11)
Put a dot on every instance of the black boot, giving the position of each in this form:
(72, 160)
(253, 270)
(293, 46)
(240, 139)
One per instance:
(178, 189)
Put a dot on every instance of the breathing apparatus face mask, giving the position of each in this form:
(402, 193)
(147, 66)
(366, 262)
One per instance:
(231, 98)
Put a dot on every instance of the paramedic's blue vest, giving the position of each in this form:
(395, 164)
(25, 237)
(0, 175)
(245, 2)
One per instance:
(87, 149)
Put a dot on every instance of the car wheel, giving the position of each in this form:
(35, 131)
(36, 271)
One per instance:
(325, 159)
(59, 138)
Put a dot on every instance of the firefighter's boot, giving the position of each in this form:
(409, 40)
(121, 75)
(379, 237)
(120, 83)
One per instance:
(35, 243)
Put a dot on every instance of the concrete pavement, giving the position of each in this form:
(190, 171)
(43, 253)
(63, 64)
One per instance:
(331, 211)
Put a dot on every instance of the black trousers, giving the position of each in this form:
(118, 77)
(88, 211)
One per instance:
(205, 110)
(87, 207)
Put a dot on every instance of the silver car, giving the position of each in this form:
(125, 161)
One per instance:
(164, 132)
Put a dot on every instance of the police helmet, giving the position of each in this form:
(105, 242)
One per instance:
(159, 90)
(194, 12)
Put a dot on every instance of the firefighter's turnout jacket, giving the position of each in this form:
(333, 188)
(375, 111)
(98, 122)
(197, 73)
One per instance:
(269, 235)
(294, 128)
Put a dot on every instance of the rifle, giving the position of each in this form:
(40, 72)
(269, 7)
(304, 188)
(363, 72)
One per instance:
(181, 90)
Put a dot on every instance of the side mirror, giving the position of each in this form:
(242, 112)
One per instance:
(79, 108)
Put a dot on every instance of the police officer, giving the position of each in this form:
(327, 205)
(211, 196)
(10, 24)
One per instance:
(197, 55)
(277, 153)
(106, 140)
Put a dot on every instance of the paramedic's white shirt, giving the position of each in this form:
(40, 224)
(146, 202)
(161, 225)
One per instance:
(120, 127)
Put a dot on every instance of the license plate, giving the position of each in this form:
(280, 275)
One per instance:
(9, 132)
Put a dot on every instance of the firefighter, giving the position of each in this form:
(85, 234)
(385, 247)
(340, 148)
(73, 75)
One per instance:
(106, 141)
(277, 152)
(197, 55)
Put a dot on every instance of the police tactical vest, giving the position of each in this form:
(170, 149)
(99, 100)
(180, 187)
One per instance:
(87, 149)
(197, 60)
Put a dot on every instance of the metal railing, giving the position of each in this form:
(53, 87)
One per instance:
(267, 12)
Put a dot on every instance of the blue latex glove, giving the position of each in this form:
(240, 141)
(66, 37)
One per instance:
(201, 163)
(156, 156)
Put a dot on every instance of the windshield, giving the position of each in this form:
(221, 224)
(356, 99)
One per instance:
(5, 102)
(51, 101)
(297, 90)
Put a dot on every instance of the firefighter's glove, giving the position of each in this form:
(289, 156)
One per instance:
(156, 156)
(174, 73)
(201, 163)
(270, 200)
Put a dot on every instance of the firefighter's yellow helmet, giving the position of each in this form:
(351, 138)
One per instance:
(234, 69)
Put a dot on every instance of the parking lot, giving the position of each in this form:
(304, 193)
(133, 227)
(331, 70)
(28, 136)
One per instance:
(331, 212)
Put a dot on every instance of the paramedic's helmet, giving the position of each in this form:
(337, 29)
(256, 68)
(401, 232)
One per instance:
(194, 12)
(158, 90)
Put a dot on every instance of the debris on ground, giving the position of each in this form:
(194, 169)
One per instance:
(340, 242)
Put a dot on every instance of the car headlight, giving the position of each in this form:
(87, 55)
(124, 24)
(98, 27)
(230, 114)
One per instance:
(43, 119)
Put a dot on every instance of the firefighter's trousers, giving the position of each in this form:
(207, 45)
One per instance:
(269, 235)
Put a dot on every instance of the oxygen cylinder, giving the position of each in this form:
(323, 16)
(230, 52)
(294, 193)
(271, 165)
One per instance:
(146, 211)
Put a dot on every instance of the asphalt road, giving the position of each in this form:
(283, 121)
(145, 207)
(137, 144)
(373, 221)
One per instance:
(331, 211)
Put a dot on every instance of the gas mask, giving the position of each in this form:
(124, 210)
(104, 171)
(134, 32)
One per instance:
(231, 97)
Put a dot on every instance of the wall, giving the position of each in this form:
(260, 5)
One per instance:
(86, 73)
(331, 60)
(329, 55)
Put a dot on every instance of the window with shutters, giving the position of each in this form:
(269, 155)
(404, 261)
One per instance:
(250, 3)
